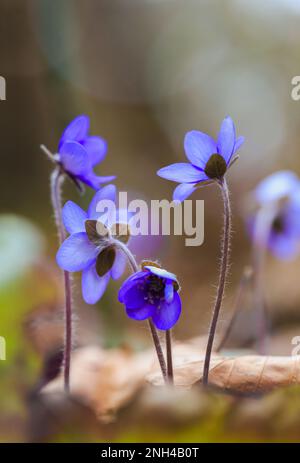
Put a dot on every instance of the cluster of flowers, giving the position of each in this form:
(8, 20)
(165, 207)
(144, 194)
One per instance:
(151, 292)
(99, 247)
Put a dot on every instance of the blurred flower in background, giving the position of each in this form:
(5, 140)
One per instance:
(277, 220)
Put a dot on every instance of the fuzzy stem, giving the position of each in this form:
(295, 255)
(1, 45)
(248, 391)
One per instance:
(57, 179)
(262, 228)
(244, 282)
(169, 357)
(222, 277)
(155, 337)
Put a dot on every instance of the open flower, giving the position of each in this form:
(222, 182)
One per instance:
(209, 160)
(91, 247)
(78, 153)
(278, 198)
(152, 292)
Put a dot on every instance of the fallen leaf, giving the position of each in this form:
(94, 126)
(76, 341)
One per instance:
(105, 379)
(246, 374)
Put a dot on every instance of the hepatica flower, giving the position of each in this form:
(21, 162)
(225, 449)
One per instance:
(280, 194)
(276, 187)
(152, 293)
(78, 153)
(91, 247)
(209, 160)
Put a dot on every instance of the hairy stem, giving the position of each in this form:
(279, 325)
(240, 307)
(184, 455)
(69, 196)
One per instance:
(57, 179)
(262, 228)
(170, 375)
(244, 282)
(155, 337)
(222, 278)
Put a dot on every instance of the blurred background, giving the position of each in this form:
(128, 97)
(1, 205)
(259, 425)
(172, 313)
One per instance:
(146, 72)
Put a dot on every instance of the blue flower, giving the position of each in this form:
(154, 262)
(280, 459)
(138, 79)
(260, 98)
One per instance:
(276, 186)
(280, 193)
(78, 153)
(209, 160)
(87, 251)
(152, 292)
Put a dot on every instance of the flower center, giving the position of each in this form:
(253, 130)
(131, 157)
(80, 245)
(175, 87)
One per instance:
(215, 166)
(278, 225)
(155, 287)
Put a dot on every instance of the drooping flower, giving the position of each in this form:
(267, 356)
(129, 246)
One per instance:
(209, 159)
(78, 153)
(152, 293)
(279, 196)
(91, 247)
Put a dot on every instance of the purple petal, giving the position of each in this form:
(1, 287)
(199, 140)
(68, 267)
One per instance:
(276, 186)
(167, 314)
(238, 143)
(169, 291)
(76, 253)
(182, 172)
(226, 139)
(199, 147)
(130, 282)
(291, 214)
(93, 286)
(73, 217)
(142, 313)
(77, 130)
(183, 191)
(119, 266)
(134, 298)
(95, 181)
(108, 192)
(284, 247)
(96, 148)
(74, 158)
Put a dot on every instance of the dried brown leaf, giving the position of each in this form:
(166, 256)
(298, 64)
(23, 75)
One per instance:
(105, 379)
(246, 374)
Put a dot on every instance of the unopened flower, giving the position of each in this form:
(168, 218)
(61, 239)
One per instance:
(78, 153)
(209, 159)
(152, 293)
(91, 247)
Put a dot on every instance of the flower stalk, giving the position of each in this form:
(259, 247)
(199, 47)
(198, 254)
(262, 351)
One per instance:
(263, 224)
(155, 337)
(222, 278)
(57, 179)
(244, 283)
(170, 375)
